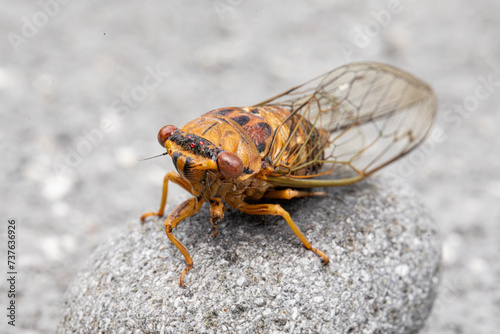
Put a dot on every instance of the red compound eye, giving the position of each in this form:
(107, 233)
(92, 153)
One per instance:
(165, 133)
(192, 144)
(230, 165)
(202, 143)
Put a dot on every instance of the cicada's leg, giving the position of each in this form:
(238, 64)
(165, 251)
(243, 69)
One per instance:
(292, 193)
(182, 211)
(170, 176)
(216, 214)
(277, 210)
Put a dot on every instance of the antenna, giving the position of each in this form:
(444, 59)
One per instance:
(156, 156)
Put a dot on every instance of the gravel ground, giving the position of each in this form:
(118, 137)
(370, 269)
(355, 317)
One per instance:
(256, 278)
(85, 86)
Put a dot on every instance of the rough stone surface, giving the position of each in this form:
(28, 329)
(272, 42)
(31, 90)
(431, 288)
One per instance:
(256, 277)
(80, 67)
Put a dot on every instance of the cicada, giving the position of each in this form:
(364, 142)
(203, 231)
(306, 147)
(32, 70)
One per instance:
(333, 130)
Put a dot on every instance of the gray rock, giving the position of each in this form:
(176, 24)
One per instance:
(255, 276)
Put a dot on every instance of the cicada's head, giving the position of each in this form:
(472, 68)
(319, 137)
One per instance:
(193, 155)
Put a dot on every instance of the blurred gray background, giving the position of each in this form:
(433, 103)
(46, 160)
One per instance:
(85, 87)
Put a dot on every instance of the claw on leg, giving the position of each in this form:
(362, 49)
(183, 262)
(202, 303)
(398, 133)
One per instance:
(149, 214)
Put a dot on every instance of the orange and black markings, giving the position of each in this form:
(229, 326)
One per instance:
(195, 144)
(334, 130)
(255, 126)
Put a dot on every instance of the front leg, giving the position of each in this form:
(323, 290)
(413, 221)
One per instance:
(175, 178)
(182, 211)
(277, 210)
(216, 214)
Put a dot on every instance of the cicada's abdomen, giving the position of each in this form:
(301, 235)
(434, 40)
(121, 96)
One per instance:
(296, 142)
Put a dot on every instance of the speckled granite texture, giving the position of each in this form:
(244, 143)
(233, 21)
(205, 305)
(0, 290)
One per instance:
(255, 277)
(85, 65)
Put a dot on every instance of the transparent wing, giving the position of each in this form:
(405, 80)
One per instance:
(368, 115)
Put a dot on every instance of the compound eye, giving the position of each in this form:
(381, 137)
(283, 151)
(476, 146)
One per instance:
(230, 165)
(165, 133)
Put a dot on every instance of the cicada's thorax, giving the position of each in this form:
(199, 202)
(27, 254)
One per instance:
(281, 139)
(257, 136)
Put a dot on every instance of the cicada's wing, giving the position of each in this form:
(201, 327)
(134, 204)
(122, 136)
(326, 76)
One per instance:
(368, 115)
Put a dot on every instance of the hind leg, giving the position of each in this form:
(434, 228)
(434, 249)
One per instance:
(292, 193)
